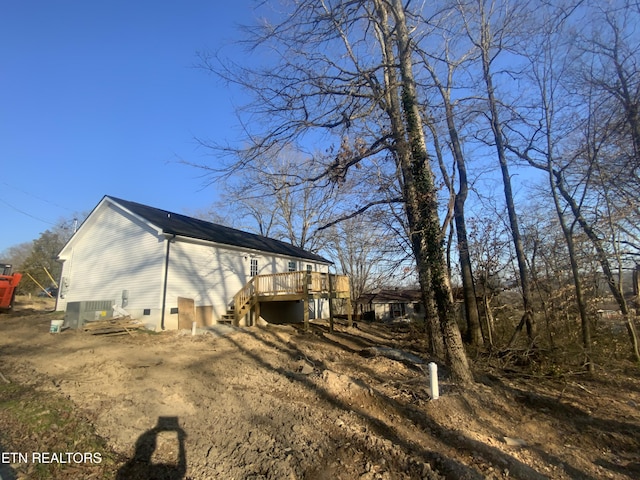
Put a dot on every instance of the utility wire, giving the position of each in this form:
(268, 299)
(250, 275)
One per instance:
(25, 213)
(37, 197)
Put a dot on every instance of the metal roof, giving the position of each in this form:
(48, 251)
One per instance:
(181, 225)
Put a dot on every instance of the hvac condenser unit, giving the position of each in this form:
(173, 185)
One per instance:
(79, 313)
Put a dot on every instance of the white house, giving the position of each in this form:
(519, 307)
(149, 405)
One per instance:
(146, 261)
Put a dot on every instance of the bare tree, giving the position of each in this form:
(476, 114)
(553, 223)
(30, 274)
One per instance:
(16, 254)
(488, 25)
(601, 165)
(346, 68)
(614, 54)
(444, 88)
(267, 200)
(544, 124)
(363, 251)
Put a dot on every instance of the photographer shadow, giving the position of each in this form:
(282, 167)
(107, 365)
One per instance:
(153, 447)
(6, 472)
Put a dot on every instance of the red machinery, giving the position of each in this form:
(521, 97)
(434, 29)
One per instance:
(8, 284)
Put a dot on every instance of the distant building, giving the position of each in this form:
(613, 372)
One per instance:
(391, 303)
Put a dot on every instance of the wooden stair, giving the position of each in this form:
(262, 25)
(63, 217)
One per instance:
(242, 303)
(229, 317)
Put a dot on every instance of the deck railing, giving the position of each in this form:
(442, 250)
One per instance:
(290, 283)
(279, 283)
(296, 283)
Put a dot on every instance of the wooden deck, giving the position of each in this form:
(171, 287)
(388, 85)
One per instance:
(291, 286)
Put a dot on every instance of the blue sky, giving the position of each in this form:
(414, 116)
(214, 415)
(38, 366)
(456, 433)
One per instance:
(103, 98)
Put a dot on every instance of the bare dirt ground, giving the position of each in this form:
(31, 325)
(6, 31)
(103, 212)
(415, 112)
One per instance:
(279, 403)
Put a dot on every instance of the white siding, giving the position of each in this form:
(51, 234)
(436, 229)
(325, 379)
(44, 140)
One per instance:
(115, 252)
(212, 274)
(208, 274)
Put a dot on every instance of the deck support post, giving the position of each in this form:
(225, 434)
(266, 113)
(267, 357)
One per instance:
(330, 302)
(305, 301)
(305, 316)
(256, 314)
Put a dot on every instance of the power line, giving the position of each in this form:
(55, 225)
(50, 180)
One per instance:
(25, 213)
(36, 197)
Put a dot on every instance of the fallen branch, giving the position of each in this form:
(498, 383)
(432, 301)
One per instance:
(393, 354)
(583, 388)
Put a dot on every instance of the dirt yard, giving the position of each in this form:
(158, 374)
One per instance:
(278, 403)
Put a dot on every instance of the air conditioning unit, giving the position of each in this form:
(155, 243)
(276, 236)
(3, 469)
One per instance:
(79, 313)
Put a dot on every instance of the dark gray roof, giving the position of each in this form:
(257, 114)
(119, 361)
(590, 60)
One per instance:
(176, 224)
(391, 295)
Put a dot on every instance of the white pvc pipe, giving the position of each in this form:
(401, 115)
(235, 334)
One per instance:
(193, 328)
(433, 381)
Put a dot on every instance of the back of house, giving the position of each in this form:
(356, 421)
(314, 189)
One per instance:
(150, 263)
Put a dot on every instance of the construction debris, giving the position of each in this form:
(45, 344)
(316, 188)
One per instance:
(112, 326)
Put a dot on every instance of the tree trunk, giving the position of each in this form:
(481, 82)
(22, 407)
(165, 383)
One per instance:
(402, 152)
(432, 324)
(422, 206)
(496, 128)
(489, 318)
(575, 271)
(474, 331)
(468, 288)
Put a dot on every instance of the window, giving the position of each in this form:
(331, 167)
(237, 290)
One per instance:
(254, 267)
(292, 266)
(309, 268)
(397, 310)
